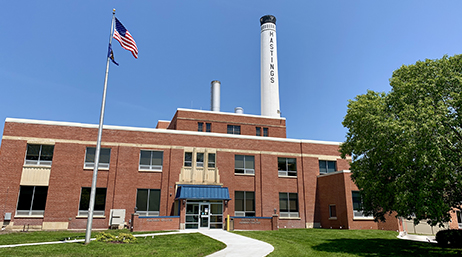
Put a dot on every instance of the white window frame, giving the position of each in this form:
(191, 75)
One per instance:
(356, 213)
(247, 171)
(286, 172)
(38, 162)
(289, 214)
(151, 167)
(327, 166)
(102, 165)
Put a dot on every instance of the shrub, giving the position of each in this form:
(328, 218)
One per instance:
(449, 238)
(121, 238)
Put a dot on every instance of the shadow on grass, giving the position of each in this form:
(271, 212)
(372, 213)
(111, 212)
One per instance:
(384, 247)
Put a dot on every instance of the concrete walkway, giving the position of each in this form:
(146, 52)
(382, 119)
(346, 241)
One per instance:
(418, 238)
(236, 245)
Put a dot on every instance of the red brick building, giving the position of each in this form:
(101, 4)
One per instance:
(191, 172)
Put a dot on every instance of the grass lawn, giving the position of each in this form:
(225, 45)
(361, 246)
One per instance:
(331, 242)
(194, 244)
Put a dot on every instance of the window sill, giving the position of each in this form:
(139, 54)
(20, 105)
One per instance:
(28, 216)
(290, 218)
(154, 171)
(36, 166)
(243, 174)
(283, 176)
(363, 218)
(94, 217)
(93, 168)
(333, 218)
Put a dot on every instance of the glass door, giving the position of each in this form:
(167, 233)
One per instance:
(204, 215)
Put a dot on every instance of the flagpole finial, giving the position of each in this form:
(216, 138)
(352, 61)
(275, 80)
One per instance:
(113, 11)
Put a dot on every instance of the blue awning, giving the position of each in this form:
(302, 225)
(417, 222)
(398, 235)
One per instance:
(202, 192)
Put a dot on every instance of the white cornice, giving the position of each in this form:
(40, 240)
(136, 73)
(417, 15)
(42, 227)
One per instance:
(167, 131)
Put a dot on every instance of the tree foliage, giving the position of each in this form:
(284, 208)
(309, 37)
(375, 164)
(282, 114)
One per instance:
(406, 145)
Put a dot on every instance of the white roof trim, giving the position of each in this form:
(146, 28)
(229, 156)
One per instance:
(167, 131)
(231, 113)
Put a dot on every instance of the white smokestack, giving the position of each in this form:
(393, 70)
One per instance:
(269, 68)
(215, 96)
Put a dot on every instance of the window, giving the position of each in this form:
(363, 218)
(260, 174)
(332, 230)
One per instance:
(288, 205)
(244, 204)
(244, 164)
(357, 205)
(459, 218)
(151, 160)
(208, 127)
(327, 166)
(265, 132)
(258, 132)
(188, 159)
(100, 201)
(234, 129)
(200, 126)
(199, 159)
(287, 167)
(148, 202)
(39, 154)
(332, 211)
(211, 160)
(104, 158)
(32, 200)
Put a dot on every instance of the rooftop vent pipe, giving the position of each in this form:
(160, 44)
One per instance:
(215, 96)
(239, 110)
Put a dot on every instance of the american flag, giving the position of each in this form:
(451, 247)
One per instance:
(125, 39)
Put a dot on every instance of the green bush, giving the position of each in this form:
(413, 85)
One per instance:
(449, 238)
(122, 238)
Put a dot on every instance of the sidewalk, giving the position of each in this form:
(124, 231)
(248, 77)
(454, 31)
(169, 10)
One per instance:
(418, 238)
(236, 245)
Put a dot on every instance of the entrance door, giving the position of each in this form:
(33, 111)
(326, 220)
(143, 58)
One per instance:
(204, 215)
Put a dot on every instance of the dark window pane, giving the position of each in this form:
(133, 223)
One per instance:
(105, 155)
(188, 159)
(33, 152)
(100, 199)
(265, 132)
(208, 127)
(157, 157)
(331, 166)
(282, 164)
(322, 167)
(211, 160)
(200, 126)
(356, 200)
(237, 130)
(239, 200)
(145, 158)
(84, 199)
(47, 152)
(258, 132)
(249, 162)
(249, 201)
(239, 161)
(40, 198)
(200, 157)
(25, 197)
(283, 202)
(292, 164)
(293, 202)
(230, 129)
(142, 200)
(154, 200)
(90, 155)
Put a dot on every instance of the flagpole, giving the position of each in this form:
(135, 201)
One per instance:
(98, 146)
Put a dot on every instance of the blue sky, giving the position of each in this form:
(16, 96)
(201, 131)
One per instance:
(53, 57)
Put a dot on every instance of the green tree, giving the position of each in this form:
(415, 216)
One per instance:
(406, 145)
